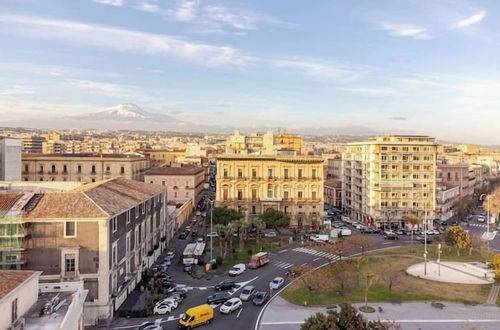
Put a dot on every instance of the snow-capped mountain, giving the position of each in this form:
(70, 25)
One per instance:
(126, 111)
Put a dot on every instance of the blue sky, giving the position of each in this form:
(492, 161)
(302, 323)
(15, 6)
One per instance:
(429, 67)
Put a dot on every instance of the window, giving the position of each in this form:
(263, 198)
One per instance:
(394, 158)
(240, 194)
(53, 169)
(187, 194)
(254, 173)
(93, 169)
(253, 209)
(163, 183)
(14, 311)
(270, 173)
(314, 173)
(122, 170)
(41, 168)
(269, 191)
(299, 194)
(313, 194)
(254, 193)
(240, 173)
(300, 173)
(114, 255)
(69, 229)
(225, 173)
(285, 194)
(225, 194)
(79, 169)
(151, 182)
(25, 168)
(127, 243)
(108, 169)
(285, 174)
(114, 224)
(65, 168)
(383, 158)
(69, 264)
(128, 216)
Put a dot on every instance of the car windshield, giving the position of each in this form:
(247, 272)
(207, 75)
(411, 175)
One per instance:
(185, 317)
(276, 281)
(246, 291)
(228, 303)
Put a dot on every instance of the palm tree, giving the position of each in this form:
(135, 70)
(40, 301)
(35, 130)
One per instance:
(259, 225)
(231, 228)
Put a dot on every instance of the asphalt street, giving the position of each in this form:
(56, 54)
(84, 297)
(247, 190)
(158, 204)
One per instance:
(245, 318)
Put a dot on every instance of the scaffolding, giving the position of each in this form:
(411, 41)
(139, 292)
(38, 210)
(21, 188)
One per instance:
(13, 239)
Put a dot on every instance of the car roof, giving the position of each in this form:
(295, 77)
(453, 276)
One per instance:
(277, 278)
(249, 287)
(232, 300)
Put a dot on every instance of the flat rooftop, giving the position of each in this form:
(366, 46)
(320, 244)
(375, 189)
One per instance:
(182, 170)
(36, 320)
(82, 155)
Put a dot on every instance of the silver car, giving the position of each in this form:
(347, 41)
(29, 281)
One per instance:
(247, 293)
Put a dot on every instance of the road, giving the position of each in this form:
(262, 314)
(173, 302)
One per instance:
(246, 317)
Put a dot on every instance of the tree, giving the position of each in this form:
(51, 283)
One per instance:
(275, 219)
(220, 230)
(347, 319)
(457, 237)
(495, 264)
(369, 278)
(492, 203)
(259, 225)
(462, 207)
(362, 241)
(391, 277)
(413, 220)
(224, 215)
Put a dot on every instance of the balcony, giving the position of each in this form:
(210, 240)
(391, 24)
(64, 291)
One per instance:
(52, 172)
(93, 173)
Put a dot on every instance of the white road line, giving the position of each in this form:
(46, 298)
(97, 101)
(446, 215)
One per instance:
(385, 243)
(283, 251)
(239, 312)
(316, 259)
(396, 321)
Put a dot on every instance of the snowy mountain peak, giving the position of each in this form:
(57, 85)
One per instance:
(128, 110)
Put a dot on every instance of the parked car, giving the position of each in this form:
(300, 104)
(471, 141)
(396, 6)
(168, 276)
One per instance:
(213, 234)
(276, 283)
(260, 298)
(194, 233)
(237, 269)
(162, 309)
(183, 235)
(481, 218)
(400, 232)
(391, 236)
(218, 298)
(230, 306)
(168, 301)
(150, 325)
(247, 293)
(200, 240)
(421, 239)
(270, 234)
(437, 232)
(198, 213)
(225, 285)
(367, 230)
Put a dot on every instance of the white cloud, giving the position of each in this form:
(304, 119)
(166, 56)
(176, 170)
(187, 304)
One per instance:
(241, 21)
(187, 11)
(122, 40)
(471, 20)
(405, 31)
(317, 69)
(116, 3)
(371, 91)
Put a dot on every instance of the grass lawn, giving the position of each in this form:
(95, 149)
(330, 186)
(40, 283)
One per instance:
(344, 282)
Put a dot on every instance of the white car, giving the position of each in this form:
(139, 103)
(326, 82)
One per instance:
(237, 270)
(276, 283)
(198, 213)
(247, 293)
(231, 305)
(213, 234)
(162, 309)
(200, 240)
(270, 234)
(168, 301)
(481, 219)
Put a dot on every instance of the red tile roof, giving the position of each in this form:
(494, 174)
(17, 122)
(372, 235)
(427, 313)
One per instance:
(184, 170)
(8, 199)
(11, 279)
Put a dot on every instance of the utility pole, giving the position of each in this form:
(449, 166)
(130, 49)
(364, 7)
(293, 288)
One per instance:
(484, 196)
(439, 259)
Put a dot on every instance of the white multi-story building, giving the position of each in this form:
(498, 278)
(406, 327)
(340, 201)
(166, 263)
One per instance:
(10, 159)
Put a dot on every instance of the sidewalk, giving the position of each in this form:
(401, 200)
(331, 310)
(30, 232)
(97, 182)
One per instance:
(281, 315)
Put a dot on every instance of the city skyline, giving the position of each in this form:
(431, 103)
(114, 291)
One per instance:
(388, 67)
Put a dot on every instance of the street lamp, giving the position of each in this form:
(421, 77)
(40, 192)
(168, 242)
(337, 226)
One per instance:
(483, 196)
(439, 259)
(425, 243)
(211, 231)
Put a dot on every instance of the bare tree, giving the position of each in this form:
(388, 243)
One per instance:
(391, 277)
(360, 241)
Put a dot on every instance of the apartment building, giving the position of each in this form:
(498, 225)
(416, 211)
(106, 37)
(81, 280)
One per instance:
(10, 159)
(388, 177)
(32, 144)
(83, 167)
(100, 235)
(264, 144)
(255, 183)
(183, 182)
(457, 175)
(162, 157)
(333, 192)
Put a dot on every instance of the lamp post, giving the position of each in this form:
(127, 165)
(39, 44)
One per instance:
(425, 243)
(484, 196)
(439, 259)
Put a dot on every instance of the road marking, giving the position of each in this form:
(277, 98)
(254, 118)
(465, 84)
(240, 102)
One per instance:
(395, 321)
(316, 259)
(239, 312)
(385, 243)
(283, 251)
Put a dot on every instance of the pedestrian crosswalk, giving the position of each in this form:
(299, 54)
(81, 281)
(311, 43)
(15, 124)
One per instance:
(322, 254)
(477, 225)
(281, 264)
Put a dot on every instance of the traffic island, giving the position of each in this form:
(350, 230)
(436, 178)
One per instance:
(453, 272)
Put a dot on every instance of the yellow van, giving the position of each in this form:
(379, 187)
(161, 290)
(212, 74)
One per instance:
(195, 316)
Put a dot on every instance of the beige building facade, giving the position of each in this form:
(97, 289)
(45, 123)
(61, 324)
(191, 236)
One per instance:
(291, 184)
(183, 182)
(387, 177)
(83, 167)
